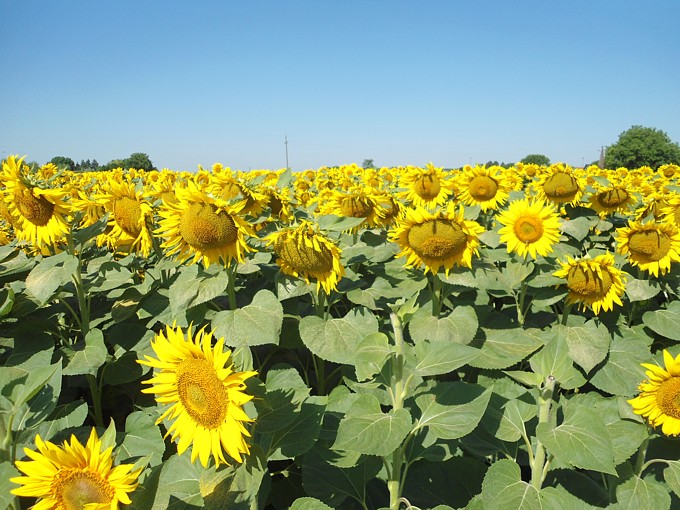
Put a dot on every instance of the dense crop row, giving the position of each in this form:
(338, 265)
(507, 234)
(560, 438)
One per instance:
(343, 337)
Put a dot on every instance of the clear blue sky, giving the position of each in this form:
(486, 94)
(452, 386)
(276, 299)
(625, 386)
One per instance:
(401, 82)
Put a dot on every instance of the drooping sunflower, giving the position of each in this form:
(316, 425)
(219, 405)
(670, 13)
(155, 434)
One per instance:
(595, 283)
(205, 394)
(203, 227)
(436, 239)
(659, 398)
(131, 217)
(357, 202)
(74, 476)
(530, 227)
(426, 187)
(483, 186)
(610, 199)
(304, 252)
(38, 214)
(560, 184)
(651, 246)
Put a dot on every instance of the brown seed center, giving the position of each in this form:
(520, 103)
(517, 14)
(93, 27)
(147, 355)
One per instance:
(483, 188)
(37, 210)
(427, 187)
(355, 207)
(75, 488)
(528, 229)
(203, 228)
(128, 213)
(587, 283)
(668, 397)
(560, 187)
(650, 245)
(612, 198)
(437, 239)
(202, 393)
(303, 258)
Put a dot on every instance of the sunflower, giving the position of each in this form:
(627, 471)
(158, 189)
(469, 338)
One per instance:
(305, 252)
(483, 186)
(205, 394)
(650, 246)
(39, 215)
(530, 227)
(440, 239)
(560, 184)
(205, 228)
(74, 476)
(659, 396)
(131, 217)
(426, 187)
(595, 283)
(610, 199)
(357, 202)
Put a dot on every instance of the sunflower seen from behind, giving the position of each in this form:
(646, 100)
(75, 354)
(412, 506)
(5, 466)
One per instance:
(443, 238)
(530, 227)
(203, 228)
(659, 398)
(651, 246)
(304, 252)
(38, 213)
(594, 283)
(204, 393)
(73, 476)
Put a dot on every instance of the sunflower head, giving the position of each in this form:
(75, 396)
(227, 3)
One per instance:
(440, 239)
(659, 398)
(204, 393)
(596, 283)
(426, 187)
(651, 246)
(560, 184)
(530, 227)
(73, 476)
(483, 186)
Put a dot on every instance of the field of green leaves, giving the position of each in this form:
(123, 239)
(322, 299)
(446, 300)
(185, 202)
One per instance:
(346, 337)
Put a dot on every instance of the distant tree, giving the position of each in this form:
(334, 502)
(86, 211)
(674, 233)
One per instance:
(94, 164)
(63, 162)
(368, 163)
(140, 161)
(642, 146)
(535, 159)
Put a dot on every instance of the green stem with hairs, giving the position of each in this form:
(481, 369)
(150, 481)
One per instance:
(545, 397)
(231, 285)
(398, 393)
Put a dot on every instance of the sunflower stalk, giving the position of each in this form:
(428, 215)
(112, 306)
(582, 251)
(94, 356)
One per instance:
(398, 393)
(538, 465)
(231, 285)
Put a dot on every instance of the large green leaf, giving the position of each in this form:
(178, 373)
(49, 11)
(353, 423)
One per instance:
(194, 286)
(452, 409)
(50, 274)
(258, 323)
(553, 359)
(142, 438)
(281, 404)
(637, 493)
(7, 471)
(337, 339)
(459, 326)
(301, 434)
(588, 342)
(502, 348)
(307, 503)
(503, 488)
(664, 322)
(442, 357)
(370, 355)
(173, 485)
(581, 440)
(85, 356)
(672, 475)
(366, 429)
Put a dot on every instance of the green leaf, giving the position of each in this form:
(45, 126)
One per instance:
(309, 504)
(641, 290)
(332, 484)
(85, 357)
(285, 393)
(622, 373)
(366, 429)
(81, 236)
(442, 357)
(299, 436)
(578, 228)
(636, 493)
(672, 475)
(6, 300)
(588, 343)
(452, 409)
(63, 417)
(50, 274)
(142, 438)
(581, 440)
(503, 488)
(664, 322)
(459, 326)
(338, 223)
(553, 359)
(370, 355)
(175, 487)
(502, 348)
(7, 471)
(337, 340)
(109, 275)
(194, 286)
(258, 323)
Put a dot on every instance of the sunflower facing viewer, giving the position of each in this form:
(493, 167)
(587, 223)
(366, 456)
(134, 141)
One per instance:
(529, 227)
(205, 394)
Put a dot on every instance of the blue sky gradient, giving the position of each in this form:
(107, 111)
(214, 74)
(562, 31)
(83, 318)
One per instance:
(399, 82)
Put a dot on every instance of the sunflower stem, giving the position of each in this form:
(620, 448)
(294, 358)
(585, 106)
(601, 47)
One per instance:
(231, 285)
(395, 478)
(545, 398)
(436, 293)
(565, 314)
(640, 459)
(520, 302)
(96, 399)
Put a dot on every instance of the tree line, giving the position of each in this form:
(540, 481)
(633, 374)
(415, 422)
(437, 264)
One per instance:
(137, 160)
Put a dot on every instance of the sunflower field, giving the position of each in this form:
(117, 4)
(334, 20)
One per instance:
(346, 337)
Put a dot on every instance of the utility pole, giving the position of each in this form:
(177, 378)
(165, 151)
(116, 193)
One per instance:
(285, 141)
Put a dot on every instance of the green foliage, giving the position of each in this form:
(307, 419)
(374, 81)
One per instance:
(535, 159)
(642, 146)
